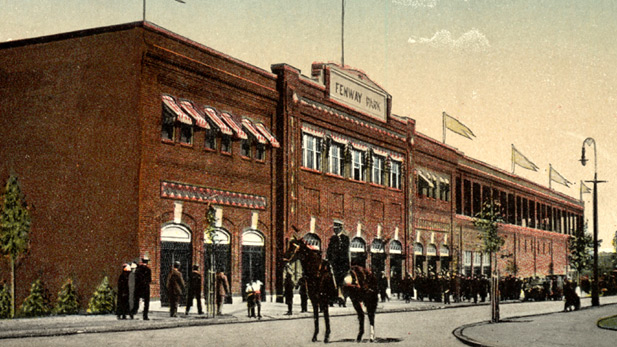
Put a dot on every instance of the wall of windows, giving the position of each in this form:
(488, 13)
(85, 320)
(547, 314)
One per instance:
(433, 185)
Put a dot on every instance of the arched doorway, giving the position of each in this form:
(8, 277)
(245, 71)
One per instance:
(357, 248)
(431, 255)
(418, 253)
(378, 256)
(444, 255)
(217, 256)
(396, 266)
(253, 259)
(175, 246)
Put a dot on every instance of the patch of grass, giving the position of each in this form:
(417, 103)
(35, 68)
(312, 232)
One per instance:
(608, 323)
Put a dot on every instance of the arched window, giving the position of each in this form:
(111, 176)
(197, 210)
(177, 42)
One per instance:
(418, 249)
(312, 241)
(357, 245)
(431, 250)
(252, 238)
(175, 246)
(253, 258)
(377, 246)
(221, 237)
(444, 251)
(396, 247)
(175, 233)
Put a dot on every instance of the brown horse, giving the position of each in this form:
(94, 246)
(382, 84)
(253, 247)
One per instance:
(361, 286)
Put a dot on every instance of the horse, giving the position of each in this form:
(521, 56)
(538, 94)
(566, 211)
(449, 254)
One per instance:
(360, 286)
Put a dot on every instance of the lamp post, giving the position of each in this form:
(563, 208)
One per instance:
(595, 299)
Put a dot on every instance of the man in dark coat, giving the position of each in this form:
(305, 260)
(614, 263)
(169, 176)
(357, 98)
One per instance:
(175, 287)
(143, 278)
(122, 306)
(194, 290)
(302, 290)
(338, 256)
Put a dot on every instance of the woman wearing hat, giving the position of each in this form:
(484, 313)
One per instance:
(123, 308)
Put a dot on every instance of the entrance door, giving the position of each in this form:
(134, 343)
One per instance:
(175, 246)
(253, 260)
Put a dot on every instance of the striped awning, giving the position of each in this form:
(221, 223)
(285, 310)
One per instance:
(176, 110)
(211, 113)
(312, 131)
(426, 176)
(380, 152)
(359, 147)
(226, 117)
(265, 132)
(251, 129)
(188, 107)
(397, 157)
(339, 139)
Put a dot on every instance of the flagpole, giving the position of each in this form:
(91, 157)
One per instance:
(443, 125)
(144, 17)
(550, 171)
(513, 166)
(581, 190)
(343, 33)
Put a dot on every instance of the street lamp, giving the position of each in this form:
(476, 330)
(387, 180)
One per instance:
(595, 299)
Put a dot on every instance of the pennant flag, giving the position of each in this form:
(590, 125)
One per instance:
(519, 159)
(584, 189)
(454, 125)
(557, 177)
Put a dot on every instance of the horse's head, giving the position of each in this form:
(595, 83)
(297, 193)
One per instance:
(295, 250)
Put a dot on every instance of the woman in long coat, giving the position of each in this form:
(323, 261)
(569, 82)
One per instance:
(122, 301)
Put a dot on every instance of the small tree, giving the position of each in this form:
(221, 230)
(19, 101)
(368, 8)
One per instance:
(38, 302)
(68, 302)
(5, 302)
(14, 229)
(487, 221)
(580, 257)
(103, 300)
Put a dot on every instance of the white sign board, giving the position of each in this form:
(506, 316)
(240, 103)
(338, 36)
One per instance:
(357, 94)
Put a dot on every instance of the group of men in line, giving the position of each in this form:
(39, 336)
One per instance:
(134, 284)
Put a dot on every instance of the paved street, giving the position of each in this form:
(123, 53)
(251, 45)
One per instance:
(412, 328)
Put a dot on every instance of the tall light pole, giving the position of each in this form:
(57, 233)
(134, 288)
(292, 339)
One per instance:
(595, 299)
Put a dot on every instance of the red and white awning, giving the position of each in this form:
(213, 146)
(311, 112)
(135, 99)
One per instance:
(359, 147)
(201, 122)
(313, 132)
(338, 139)
(396, 157)
(262, 128)
(211, 113)
(380, 152)
(173, 107)
(251, 129)
(226, 117)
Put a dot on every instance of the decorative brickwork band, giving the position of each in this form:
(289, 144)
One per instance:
(187, 192)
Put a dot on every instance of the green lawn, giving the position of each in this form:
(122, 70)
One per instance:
(608, 323)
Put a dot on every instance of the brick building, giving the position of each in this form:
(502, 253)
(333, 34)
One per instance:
(124, 137)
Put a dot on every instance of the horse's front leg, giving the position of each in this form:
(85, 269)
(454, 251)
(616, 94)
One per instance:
(326, 317)
(371, 308)
(315, 319)
(358, 307)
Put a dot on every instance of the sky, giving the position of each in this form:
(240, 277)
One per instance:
(538, 74)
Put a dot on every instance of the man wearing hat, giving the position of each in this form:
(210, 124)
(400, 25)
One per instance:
(194, 291)
(175, 287)
(143, 278)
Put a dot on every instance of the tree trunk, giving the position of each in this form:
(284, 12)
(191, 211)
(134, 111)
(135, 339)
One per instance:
(12, 287)
(494, 289)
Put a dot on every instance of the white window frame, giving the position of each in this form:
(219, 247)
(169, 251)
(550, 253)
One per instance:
(378, 169)
(311, 152)
(336, 159)
(358, 164)
(395, 175)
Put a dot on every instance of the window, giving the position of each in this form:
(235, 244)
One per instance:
(226, 144)
(260, 152)
(395, 175)
(311, 152)
(466, 198)
(246, 148)
(378, 163)
(476, 199)
(210, 140)
(337, 162)
(186, 133)
(358, 166)
(167, 130)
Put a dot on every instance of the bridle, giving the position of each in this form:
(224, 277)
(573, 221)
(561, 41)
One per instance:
(295, 251)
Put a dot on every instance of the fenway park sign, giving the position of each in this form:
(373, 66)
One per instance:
(357, 94)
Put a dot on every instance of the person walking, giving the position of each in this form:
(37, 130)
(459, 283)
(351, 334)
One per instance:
(253, 290)
(222, 290)
(122, 307)
(143, 278)
(194, 291)
(302, 290)
(175, 287)
(289, 293)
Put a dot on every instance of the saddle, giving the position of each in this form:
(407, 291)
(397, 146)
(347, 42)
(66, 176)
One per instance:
(358, 277)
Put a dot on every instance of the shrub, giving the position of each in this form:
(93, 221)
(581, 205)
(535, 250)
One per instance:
(5, 302)
(37, 303)
(103, 300)
(68, 302)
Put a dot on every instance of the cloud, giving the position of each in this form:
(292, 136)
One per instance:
(416, 3)
(473, 41)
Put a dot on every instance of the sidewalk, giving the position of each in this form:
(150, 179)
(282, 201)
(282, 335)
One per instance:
(159, 318)
(577, 328)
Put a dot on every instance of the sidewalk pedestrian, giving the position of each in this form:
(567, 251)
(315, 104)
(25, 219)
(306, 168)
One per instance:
(222, 291)
(132, 288)
(175, 287)
(143, 278)
(302, 290)
(253, 299)
(122, 306)
(289, 293)
(194, 290)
